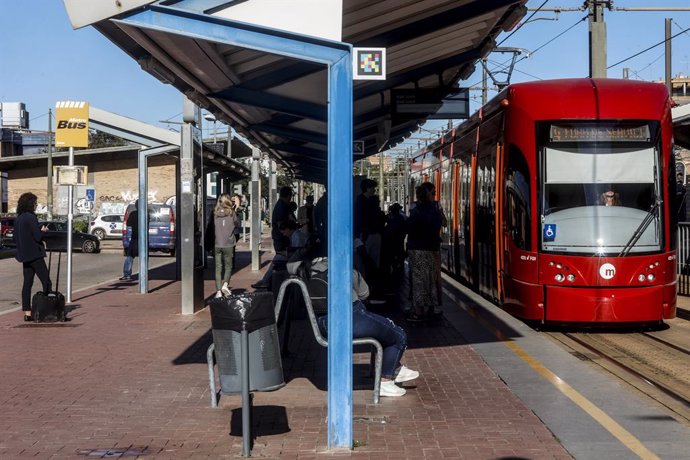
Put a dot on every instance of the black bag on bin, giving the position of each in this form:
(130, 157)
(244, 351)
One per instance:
(254, 313)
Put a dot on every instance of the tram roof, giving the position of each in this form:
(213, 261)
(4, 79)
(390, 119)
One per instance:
(548, 90)
(279, 104)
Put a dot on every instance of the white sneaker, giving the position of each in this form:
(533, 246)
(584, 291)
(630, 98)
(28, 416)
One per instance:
(405, 374)
(226, 290)
(389, 388)
(219, 294)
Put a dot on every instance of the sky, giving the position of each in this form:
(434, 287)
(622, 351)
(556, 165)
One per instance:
(43, 60)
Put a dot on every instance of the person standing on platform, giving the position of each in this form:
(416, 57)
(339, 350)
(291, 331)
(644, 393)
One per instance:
(282, 212)
(681, 198)
(321, 222)
(305, 215)
(28, 237)
(224, 224)
(394, 235)
(363, 209)
(424, 253)
(367, 221)
(132, 251)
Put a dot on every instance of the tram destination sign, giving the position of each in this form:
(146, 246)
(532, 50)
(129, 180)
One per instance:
(592, 133)
(432, 103)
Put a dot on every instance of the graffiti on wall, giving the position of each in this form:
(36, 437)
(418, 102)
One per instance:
(129, 196)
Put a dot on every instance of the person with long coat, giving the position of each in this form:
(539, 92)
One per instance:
(424, 253)
(28, 238)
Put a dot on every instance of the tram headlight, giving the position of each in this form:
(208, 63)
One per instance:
(651, 266)
(559, 277)
(651, 277)
(571, 278)
(641, 277)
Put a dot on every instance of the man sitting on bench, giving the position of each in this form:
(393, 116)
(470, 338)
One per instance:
(393, 338)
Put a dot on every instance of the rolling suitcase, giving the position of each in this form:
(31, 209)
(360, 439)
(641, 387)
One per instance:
(49, 307)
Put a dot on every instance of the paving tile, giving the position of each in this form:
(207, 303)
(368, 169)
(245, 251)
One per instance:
(135, 377)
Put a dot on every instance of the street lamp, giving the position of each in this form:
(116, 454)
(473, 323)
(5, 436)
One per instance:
(212, 117)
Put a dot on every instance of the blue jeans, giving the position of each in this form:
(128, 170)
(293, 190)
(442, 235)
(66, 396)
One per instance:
(127, 269)
(393, 338)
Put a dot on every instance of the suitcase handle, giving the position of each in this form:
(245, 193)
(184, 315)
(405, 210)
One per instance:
(50, 263)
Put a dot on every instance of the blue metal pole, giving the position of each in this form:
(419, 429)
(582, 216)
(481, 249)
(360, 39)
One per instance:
(340, 253)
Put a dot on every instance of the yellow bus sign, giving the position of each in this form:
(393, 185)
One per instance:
(72, 129)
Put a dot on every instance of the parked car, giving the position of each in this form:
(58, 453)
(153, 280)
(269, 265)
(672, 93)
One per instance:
(161, 228)
(6, 225)
(55, 239)
(106, 226)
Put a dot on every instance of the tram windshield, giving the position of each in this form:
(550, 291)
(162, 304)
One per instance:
(600, 191)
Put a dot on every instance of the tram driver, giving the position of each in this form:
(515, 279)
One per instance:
(610, 198)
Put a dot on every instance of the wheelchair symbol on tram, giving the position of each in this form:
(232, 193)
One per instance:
(549, 232)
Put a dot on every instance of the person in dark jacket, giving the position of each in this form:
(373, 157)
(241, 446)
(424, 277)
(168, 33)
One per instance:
(224, 224)
(282, 212)
(321, 222)
(424, 253)
(132, 226)
(394, 241)
(28, 236)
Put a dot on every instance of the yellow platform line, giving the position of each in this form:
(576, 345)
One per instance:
(613, 427)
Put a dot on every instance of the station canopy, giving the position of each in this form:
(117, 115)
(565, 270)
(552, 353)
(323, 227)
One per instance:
(280, 104)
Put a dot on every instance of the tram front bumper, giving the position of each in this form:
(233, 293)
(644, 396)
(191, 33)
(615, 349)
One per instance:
(605, 305)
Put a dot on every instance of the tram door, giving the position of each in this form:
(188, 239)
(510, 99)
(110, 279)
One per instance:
(518, 261)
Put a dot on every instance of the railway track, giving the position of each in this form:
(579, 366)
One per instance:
(651, 362)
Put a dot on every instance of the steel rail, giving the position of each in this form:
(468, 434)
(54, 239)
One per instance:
(644, 378)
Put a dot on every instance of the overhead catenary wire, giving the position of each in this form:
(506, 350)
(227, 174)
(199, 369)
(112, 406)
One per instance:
(647, 49)
(540, 47)
(524, 22)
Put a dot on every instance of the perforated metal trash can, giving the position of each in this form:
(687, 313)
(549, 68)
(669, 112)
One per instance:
(253, 312)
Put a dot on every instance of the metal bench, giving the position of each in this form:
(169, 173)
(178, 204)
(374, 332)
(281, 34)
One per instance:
(376, 352)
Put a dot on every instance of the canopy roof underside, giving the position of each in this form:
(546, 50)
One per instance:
(279, 104)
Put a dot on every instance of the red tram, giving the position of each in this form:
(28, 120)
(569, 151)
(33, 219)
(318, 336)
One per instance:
(560, 200)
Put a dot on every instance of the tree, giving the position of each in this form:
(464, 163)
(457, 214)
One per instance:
(99, 140)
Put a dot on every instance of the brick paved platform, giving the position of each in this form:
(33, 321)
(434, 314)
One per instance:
(127, 378)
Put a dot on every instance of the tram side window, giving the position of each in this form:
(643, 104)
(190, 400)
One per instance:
(518, 198)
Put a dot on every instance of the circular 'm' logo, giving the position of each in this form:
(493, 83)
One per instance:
(607, 271)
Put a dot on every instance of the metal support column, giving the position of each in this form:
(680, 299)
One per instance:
(49, 196)
(142, 208)
(255, 234)
(186, 219)
(406, 184)
(597, 40)
(272, 187)
(340, 253)
(70, 226)
(668, 74)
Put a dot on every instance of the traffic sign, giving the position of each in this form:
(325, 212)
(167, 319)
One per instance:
(72, 129)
